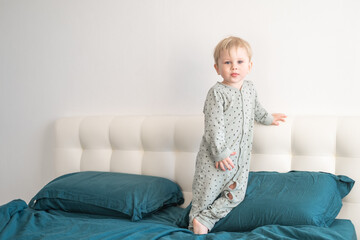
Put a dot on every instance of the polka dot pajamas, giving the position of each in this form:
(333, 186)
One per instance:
(229, 122)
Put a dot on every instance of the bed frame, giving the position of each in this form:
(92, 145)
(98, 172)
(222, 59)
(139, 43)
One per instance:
(166, 146)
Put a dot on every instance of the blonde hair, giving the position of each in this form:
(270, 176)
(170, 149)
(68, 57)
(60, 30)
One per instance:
(229, 43)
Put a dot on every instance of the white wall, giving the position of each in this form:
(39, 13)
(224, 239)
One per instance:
(88, 57)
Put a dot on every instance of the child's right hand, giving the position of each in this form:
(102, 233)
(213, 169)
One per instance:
(227, 162)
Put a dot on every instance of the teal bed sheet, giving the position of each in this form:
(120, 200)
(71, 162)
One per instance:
(18, 221)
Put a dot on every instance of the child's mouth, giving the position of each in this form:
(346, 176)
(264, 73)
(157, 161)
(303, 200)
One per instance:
(234, 74)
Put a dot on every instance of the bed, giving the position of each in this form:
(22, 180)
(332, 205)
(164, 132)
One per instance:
(129, 177)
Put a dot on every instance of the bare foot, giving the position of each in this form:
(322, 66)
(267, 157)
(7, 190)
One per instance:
(199, 228)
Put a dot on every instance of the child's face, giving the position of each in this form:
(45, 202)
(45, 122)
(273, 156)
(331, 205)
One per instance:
(233, 66)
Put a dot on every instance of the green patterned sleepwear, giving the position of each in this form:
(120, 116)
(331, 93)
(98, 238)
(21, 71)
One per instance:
(229, 123)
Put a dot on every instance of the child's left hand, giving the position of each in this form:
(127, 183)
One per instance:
(278, 117)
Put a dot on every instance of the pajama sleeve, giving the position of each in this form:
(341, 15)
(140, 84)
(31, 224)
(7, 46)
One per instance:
(261, 115)
(214, 126)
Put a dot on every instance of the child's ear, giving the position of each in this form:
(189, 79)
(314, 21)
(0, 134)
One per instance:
(217, 68)
(250, 66)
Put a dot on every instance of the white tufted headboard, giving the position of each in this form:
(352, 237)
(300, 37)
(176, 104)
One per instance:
(167, 146)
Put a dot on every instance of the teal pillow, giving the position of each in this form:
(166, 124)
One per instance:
(108, 193)
(293, 198)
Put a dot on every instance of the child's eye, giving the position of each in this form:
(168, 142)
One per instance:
(227, 62)
(240, 62)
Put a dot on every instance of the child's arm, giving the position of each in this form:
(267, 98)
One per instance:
(214, 126)
(263, 117)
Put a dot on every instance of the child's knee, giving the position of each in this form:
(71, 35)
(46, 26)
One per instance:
(232, 193)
